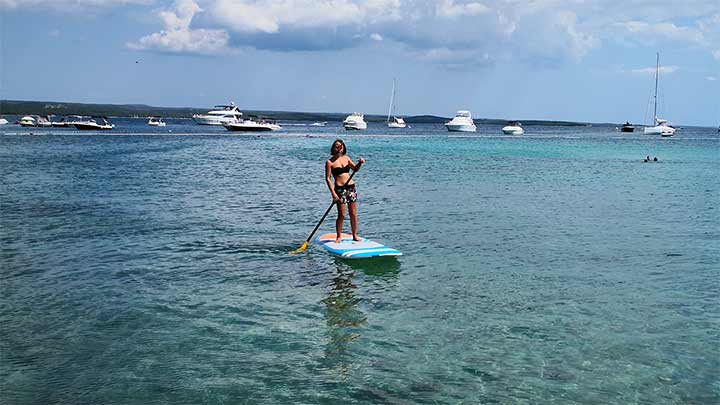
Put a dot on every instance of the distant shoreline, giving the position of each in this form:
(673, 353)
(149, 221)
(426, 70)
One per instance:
(22, 107)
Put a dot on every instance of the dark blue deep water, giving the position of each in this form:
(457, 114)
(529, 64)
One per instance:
(151, 266)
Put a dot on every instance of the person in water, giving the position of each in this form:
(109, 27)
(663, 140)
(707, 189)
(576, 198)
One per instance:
(342, 188)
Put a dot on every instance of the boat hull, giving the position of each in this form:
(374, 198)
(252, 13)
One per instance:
(513, 131)
(93, 127)
(661, 130)
(396, 125)
(252, 127)
(355, 126)
(204, 120)
(460, 128)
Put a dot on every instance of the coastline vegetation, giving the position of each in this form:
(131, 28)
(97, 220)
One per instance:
(55, 108)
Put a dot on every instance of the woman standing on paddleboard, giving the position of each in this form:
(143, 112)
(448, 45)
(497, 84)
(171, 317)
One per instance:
(343, 188)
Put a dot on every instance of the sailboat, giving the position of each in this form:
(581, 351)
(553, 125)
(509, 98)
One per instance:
(661, 126)
(395, 122)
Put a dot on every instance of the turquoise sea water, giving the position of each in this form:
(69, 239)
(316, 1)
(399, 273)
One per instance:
(152, 266)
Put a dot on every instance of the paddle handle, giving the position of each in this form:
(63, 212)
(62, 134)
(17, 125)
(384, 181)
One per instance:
(326, 212)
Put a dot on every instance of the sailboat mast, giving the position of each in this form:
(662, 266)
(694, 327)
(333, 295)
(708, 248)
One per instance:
(657, 73)
(392, 100)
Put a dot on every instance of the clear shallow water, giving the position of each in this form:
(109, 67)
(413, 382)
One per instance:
(152, 266)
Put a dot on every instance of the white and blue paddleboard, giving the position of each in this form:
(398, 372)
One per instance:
(350, 249)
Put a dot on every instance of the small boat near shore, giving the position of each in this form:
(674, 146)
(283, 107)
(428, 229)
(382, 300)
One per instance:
(91, 124)
(156, 122)
(627, 127)
(513, 128)
(28, 121)
(250, 125)
(67, 122)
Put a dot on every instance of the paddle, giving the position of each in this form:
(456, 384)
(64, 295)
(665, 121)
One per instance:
(305, 244)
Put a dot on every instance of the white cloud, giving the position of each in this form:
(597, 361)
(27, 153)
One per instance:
(541, 32)
(711, 78)
(273, 15)
(450, 9)
(177, 37)
(67, 4)
(651, 70)
(663, 30)
(455, 59)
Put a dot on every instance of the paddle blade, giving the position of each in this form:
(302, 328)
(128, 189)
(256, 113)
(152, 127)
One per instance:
(300, 249)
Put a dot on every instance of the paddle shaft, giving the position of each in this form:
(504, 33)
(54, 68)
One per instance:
(326, 212)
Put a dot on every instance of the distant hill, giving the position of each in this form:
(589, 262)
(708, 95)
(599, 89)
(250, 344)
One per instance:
(20, 107)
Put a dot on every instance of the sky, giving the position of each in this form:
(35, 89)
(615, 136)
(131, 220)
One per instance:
(576, 60)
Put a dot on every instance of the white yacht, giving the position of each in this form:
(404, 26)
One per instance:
(156, 122)
(513, 128)
(661, 126)
(462, 122)
(28, 121)
(67, 121)
(355, 121)
(91, 124)
(218, 116)
(250, 125)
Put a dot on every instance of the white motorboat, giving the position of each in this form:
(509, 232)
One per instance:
(220, 115)
(394, 122)
(462, 122)
(661, 126)
(355, 121)
(513, 128)
(627, 127)
(249, 125)
(3, 121)
(43, 121)
(28, 121)
(91, 124)
(67, 122)
(156, 122)
(319, 124)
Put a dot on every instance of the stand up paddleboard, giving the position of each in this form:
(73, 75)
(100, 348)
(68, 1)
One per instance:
(350, 249)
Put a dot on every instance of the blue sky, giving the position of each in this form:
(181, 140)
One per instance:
(581, 60)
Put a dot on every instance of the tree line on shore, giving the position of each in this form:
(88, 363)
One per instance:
(44, 108)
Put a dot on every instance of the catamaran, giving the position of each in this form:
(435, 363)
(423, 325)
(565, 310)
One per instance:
(394, 122)
(661, 126)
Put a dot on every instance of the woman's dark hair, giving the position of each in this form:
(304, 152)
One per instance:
(332, 147)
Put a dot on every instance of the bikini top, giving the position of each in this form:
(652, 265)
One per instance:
(340, 170)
